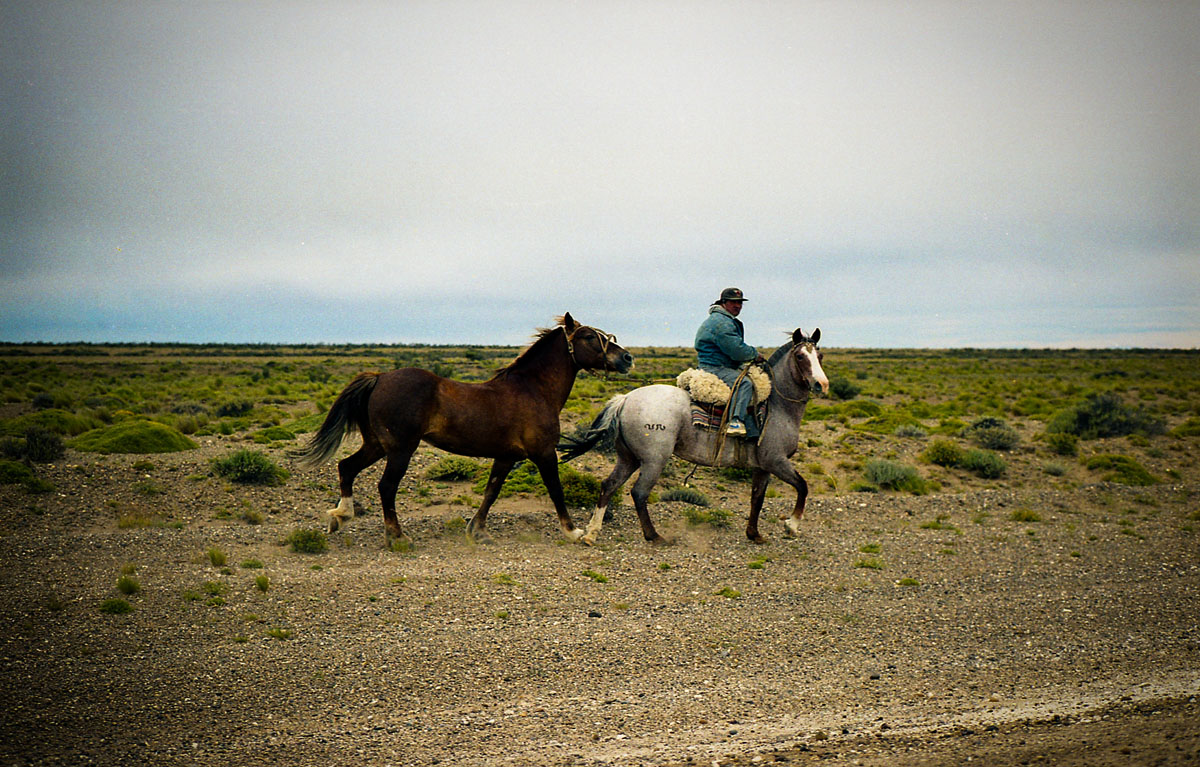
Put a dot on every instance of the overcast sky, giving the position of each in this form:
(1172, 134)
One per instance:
(917, 174)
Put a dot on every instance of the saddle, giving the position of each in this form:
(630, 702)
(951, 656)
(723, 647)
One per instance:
(710, 395)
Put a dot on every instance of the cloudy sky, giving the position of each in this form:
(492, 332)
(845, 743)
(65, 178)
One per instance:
(918, 174)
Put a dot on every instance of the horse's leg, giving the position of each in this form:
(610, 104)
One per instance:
(758, 491)
(651, 469)
(349, 468)
(626, 465)
(477, 527)
(393, 472)
(547, 466)
(784, 469)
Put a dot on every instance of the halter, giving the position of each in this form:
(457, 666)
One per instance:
(605, 340)
(800, 380)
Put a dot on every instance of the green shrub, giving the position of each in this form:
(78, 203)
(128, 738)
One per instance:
(713, 517)
(685, 495)
(860, 408)
(43, 445)
(115, 607)
(128, 585)
(133, 436)
(580, 491)
(1063, 443)
(1121, 469)
(57, 421)
(455, 468)
(14, 473)
(888, 423)
(910, 431)
(1105, 415)
(993, 434)
(250, 467)
(984, 463)
(273, 434)
(894, 475)
(307, 540)
(943, 452)
(842, 388)
(737, 474)
(1189, 428)
(235, 409)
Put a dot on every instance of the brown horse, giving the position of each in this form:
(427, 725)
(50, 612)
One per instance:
(512, 416)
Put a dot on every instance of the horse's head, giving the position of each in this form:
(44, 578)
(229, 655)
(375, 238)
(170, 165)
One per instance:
(807, 360)
(593, 349)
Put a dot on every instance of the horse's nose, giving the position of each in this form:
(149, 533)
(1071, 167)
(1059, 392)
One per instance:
(627, 358)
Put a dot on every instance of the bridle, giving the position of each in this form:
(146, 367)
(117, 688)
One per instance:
(605, 340)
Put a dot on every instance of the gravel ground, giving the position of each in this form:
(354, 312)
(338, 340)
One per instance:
(966, 630)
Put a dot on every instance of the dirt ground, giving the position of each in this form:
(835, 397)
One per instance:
(1014, 622)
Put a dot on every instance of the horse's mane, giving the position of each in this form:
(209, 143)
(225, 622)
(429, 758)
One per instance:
(778, 355)
(540, 339)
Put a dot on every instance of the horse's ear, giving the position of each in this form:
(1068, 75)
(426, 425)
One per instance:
(816, 336)
(569, 322)
(798, 336)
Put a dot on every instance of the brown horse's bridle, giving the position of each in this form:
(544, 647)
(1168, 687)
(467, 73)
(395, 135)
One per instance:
(605, 340)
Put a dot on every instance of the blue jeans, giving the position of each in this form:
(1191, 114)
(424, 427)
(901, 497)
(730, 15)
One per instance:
(739, 405)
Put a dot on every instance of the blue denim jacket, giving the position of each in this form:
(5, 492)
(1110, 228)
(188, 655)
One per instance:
(720, 341)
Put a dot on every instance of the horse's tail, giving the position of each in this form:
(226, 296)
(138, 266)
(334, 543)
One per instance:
(349, 413)
(601, 435)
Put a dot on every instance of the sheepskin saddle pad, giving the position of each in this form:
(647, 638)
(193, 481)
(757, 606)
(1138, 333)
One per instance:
(706, 387)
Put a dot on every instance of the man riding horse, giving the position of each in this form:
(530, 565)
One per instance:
(722, 349)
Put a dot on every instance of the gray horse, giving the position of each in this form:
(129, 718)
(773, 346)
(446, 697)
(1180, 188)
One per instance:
(650, 424)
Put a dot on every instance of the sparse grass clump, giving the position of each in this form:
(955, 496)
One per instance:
(712, 517)
(1063, 443)
(1025, 515)
(1121, 469)
(870, 563)
(894, 475)
(216, 557)
(307, 540)
(128, 585)
(984, 464)
(115, 607)
(250, 467)
(455, 468)
(595, 576)
(685, 495)
(262, 583)
(993, 434)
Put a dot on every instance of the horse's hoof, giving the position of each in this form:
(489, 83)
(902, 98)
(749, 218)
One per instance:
(791, 529)
(588, 540)
(575, 534)
(480, 537)
(658, 540)
(334, 522)
(757, 539)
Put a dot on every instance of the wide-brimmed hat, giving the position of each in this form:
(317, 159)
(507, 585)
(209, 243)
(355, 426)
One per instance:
(730, 294)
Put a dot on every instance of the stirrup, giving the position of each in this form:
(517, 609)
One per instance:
(735, 428)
